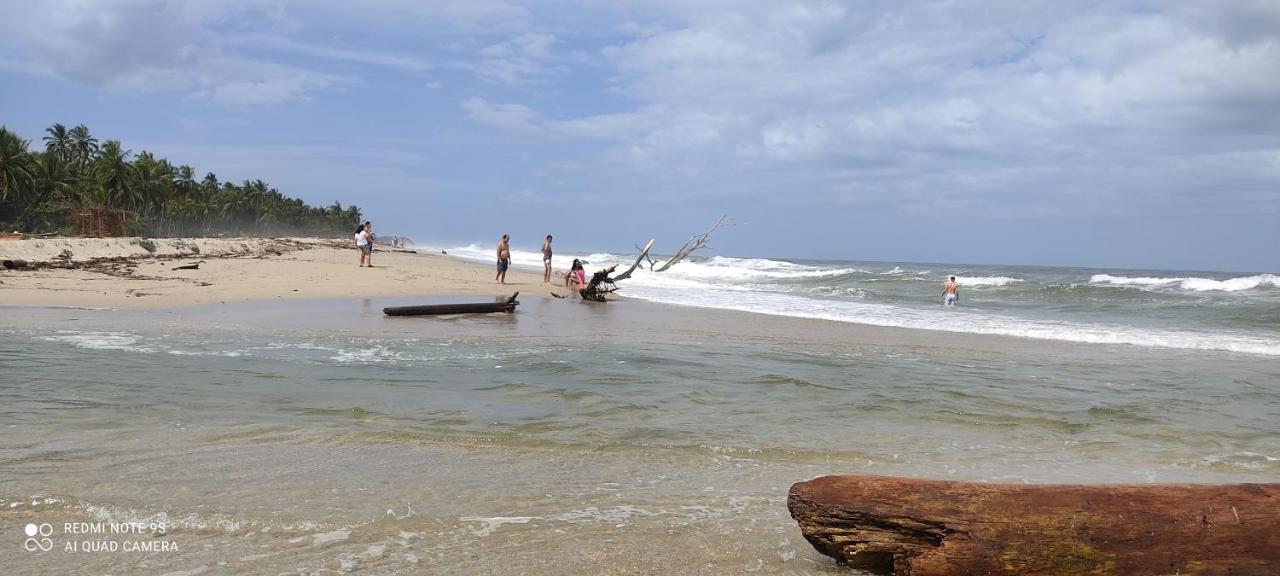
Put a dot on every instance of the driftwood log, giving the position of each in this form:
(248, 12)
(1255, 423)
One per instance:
(195, 266)
(644, 253)
(15, 264)
(502, 305)
(931, 528)
(599, 286)
(694, 243)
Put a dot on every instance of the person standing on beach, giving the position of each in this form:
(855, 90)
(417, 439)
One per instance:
(362, 243)
(368, 231)
(504, 259)
(950, 292)
(546, 260)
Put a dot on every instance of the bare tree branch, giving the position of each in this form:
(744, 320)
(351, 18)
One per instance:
(644, 253)
(694, 243)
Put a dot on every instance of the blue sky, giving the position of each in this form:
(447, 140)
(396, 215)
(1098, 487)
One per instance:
(1134, 134)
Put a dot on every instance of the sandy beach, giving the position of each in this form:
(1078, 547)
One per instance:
(138, 273)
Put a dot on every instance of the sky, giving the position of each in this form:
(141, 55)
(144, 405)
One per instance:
(1106, 134)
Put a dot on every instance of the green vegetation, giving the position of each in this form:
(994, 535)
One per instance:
(76, 180)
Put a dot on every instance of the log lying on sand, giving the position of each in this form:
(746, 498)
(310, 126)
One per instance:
(507, 305)
(15, 264)
(931, 528)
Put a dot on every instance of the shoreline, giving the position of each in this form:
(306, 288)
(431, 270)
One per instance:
(123, 274)
(136, 273)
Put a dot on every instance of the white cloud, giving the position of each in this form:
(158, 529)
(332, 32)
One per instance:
(505, 116)
(1014, 104)
(518, 59)
(282, 43)
(135, 46)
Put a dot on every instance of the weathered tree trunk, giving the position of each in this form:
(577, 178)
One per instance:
(502, 305)
(694, 243)
(644, 253)
(932, 528)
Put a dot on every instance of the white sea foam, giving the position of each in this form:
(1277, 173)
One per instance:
(1192, 284)
(102, 341)
(128, 342)
(330, 537)
(986, 280)
(495, 522)
(611, 514)
(369, 355)
(193, 521)
(227, 353)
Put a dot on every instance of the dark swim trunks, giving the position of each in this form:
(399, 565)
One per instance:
(502, 265)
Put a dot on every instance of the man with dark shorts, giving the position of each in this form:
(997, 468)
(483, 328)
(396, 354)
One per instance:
(504, 259)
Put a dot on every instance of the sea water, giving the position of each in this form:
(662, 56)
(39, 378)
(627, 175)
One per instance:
(628, 437)
(1174, 309)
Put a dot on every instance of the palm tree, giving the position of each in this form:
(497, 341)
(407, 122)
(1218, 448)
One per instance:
(114, 172)
(58, 142)
(153, 183)
(15, 166)
(38, 188)
(51, 186)
(83, 145)
(184, 181)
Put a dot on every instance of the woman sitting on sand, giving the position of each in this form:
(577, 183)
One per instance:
(576, 279)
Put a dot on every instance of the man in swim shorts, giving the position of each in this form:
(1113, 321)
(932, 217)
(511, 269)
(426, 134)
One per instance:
(546, 260)
(504, 259)
(950, 292)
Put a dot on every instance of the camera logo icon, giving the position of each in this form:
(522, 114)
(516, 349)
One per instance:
(38, 538)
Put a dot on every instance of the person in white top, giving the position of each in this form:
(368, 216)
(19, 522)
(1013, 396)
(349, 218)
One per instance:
(362, 244)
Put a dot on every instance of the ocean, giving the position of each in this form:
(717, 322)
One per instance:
(1173, 309)
(655, 434)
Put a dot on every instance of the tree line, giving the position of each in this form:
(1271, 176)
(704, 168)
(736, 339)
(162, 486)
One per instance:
(42, 191)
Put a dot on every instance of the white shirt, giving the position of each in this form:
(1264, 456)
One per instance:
(362, 239)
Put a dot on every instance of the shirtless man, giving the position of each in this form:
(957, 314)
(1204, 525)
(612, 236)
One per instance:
(546, 260)
(504, 259)
(950, 292)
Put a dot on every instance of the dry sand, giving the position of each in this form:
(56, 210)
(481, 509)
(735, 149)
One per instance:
(138, 273)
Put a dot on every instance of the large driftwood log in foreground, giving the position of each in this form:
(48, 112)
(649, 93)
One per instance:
(929, 527)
